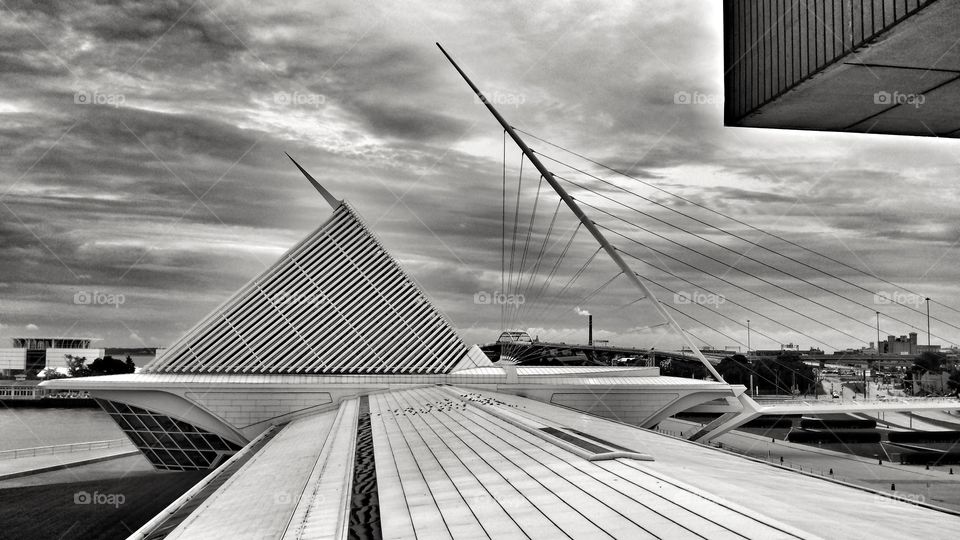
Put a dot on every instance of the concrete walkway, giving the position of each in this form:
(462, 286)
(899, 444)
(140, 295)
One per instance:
(14, 468)
(912, 482)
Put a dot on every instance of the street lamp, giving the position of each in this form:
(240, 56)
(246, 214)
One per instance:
(748, 336)
(878, 335)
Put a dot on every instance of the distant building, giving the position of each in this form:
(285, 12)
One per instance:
(39, 353)
(900, 345)
(906, 345)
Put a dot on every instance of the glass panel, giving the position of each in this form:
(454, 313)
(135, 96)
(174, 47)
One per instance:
(106, 405)
(152, 456)
(168, 443)
(180, 440)
(121, 407)
(149, 439)
(134, 422)
(197, 459)
(209, 457)
(122, 422)
(148, 421)
(165, 440)
(137, 410)
(136, 438)
(165, 422)
(166, 458)
(185, 427)
(198, 441)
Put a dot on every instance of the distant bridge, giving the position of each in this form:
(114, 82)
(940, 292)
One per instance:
(751, 409)
(544, 352)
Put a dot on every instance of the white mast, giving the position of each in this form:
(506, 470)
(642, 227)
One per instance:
(590, 226)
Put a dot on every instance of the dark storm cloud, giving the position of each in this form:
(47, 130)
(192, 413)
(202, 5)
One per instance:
(141, 21)
(409, 123)
(106, 196)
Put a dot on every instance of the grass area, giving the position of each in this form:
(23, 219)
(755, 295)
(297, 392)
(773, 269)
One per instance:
(114, 509)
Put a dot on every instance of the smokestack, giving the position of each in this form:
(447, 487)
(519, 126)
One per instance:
(590, 330)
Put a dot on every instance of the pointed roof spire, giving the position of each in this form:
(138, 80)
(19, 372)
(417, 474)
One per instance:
(334, 203)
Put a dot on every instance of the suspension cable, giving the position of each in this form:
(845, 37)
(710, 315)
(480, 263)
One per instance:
(731, 218)
(758, 295)
(746, 257)
(742, 255)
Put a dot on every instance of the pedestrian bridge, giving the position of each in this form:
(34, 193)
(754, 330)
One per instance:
(748, 409)
(800, 406)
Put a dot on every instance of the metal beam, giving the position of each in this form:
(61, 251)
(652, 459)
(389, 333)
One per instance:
(331, 200)
(587, 223)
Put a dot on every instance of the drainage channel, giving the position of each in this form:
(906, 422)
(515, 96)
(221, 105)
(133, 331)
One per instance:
(364, 502)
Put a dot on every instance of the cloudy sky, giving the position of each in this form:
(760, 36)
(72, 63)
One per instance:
(143, 178)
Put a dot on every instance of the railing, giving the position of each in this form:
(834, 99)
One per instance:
(770, 457)
(871, 401)
(25, 392)
(63, 448)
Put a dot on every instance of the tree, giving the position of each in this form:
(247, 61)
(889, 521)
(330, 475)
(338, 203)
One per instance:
(50, 374)
(929, 362)
(954, 382)
(676, 367)
(780, 375)
(735, 369)
(109, 365)
(76, 366)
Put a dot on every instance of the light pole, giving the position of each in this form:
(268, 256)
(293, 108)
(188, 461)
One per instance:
(878, 335)
(748, 337)
(928, 323)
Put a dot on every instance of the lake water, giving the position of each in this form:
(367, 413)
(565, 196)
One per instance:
(23, 427)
